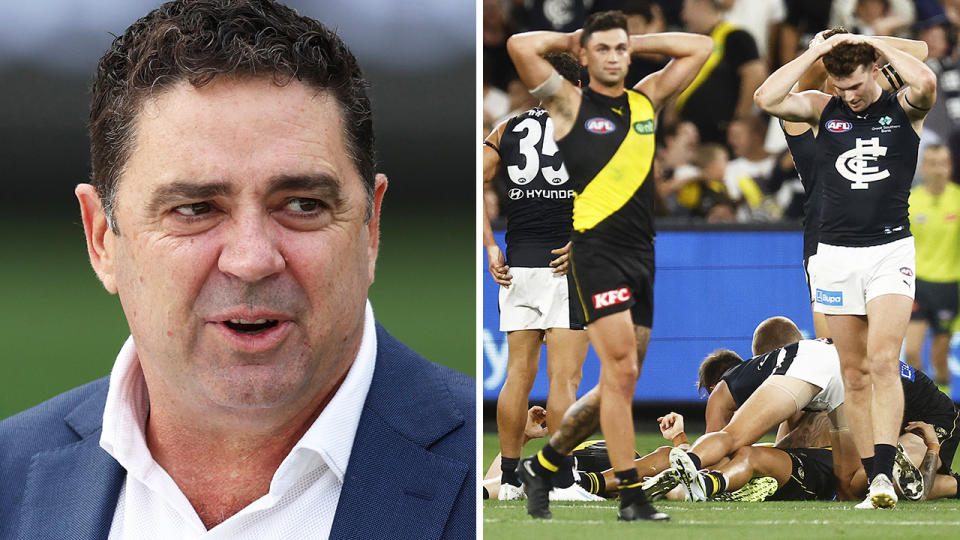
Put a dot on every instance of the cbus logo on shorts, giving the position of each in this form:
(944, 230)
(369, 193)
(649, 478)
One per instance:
(829, 298)
(906, 271)
(609, 298)
(600, 126)
(838, 126)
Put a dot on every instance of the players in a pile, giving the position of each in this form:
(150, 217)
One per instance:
(536, 304)
(863, 274)
(606, 135)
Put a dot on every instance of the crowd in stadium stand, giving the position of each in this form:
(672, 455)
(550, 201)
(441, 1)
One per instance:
(720, 160)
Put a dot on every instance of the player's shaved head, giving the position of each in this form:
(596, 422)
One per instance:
(774, 333)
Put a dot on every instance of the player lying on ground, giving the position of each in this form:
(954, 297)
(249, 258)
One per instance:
(534, 428)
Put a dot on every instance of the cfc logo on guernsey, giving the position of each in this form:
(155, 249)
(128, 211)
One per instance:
(855, 164)
(609, 298)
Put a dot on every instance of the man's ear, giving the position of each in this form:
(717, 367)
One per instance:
(373, 224)
(100, 239)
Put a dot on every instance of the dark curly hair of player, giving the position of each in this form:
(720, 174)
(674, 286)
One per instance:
(845, 58)
(714, 366)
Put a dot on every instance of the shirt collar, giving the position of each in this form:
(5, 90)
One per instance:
(330, 437)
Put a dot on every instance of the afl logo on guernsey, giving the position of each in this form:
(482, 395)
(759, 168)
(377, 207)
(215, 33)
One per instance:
(838, 126)
(600, 126)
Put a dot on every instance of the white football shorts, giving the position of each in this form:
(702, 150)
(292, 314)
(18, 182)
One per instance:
(845, 279)
(536, 299)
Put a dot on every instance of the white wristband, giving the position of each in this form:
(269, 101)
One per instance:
(548, 87)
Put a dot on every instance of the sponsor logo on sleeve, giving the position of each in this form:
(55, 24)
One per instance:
(600, 125)
(907, 372)
(609, 298)
(838, 126)
(644, 128)
(829, 298)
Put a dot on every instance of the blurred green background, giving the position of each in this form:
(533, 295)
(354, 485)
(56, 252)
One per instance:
(59, 326)
(62, 329)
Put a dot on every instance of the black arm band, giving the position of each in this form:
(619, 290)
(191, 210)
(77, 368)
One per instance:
(914, 106)
(886, 73)
(895, 75)
(495, 149)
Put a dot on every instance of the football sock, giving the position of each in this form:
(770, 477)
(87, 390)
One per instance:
(565, 476)
(629, 482)
(883, 455)
(548, 460)
(696, 460)
(868, 468)
(592, 482)
(715, 482)
(486, 494)
(508, 470)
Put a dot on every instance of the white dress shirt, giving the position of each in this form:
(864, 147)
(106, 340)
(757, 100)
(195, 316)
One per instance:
(304, 490)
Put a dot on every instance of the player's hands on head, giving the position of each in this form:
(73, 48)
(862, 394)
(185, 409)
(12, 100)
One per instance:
(535, 429)
(560, 263)
(817, 39)
(498, 266)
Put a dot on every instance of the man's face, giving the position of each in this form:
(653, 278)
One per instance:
(697, 15)
(607, 56)
(936, 167)
(243, 259)
(858, 90)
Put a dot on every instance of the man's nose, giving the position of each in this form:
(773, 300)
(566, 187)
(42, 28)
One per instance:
(251, 252)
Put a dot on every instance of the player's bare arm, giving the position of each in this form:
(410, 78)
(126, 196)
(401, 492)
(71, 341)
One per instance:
(720, 408)
(928, 467)
(689, 52)
(776, 95)
(558, 96)
(491, 163)
(920, 83)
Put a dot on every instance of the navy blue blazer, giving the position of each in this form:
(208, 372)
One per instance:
(411, 472)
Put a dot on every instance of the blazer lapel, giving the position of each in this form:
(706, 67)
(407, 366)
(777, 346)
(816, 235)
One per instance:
(394, 485)
(71, 492)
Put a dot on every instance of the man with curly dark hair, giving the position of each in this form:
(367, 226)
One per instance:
(234, 208)
(863, 274)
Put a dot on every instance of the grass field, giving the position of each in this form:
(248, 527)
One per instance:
(717, 520)
(61, 329)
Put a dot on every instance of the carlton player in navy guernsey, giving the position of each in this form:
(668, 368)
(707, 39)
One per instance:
(606, 134)
(534, 300)
(863, 273)
(802, 145)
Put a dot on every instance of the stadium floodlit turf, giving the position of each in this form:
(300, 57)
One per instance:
(718, 520)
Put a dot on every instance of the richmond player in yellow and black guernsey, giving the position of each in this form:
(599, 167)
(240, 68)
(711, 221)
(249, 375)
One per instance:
(609, 134)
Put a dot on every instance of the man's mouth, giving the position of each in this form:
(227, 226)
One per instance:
(250, 326)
